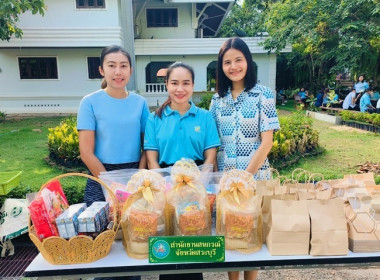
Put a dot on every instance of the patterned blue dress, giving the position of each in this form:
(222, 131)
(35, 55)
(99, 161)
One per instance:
(240, 123)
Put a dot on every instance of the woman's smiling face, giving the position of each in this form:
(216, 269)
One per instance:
(180, 86)
(116, 70)
(235, 65)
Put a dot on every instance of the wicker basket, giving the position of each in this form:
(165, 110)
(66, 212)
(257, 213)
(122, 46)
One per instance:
(79, 249)
(8, 181)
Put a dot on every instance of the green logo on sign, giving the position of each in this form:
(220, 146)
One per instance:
(161, 249)
(164, 249)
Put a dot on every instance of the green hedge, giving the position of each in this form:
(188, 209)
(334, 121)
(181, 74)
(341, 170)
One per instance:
(295, 137)
(373, 119)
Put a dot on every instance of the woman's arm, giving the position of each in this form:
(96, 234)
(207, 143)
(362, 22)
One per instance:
(152, 158)
(210, 156)
(143, 161)
(259, 157)
(87, 148)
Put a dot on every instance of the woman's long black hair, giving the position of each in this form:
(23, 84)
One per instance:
(222, 82)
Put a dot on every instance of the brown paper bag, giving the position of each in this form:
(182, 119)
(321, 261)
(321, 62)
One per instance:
(308, 189)
(267, 187)
(362, 180)
(289, 228)
(363, 218)
(328, 227)
(266, 202)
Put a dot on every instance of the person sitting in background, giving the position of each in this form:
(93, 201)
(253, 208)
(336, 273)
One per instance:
(325, 96)
(335, 101)
(319, 101)
(375, 96)
(361, 86)
(365, 102)
(349, 101)
(280, 95)
(302, 93)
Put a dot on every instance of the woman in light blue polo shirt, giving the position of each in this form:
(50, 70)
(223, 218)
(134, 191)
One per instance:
(179, 129)
(111, 122)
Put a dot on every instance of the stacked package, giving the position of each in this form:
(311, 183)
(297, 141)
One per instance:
(67, 222)
(95, 218)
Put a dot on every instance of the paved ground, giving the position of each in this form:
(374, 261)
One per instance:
(301, 274)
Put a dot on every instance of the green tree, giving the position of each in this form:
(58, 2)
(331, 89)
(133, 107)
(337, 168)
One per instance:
(243, 20)
(327, 36)
(331, 35)
(9, 15)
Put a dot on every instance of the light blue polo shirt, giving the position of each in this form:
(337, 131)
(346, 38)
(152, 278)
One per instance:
(174, 136)
(364, 101)
(118, 124)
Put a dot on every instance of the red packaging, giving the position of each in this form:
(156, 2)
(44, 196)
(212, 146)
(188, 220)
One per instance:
(48, 205)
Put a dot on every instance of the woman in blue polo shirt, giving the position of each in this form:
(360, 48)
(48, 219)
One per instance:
(179, 129)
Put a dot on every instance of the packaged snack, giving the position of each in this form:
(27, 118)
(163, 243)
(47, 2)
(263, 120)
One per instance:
(89, 221)
(239, 216)
(48, 204)
(67, 222)
(143, 213)
(189, 207)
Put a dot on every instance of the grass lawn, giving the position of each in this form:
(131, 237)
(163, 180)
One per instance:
(24, 147)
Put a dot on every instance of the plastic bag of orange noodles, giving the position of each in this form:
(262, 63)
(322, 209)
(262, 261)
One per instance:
(239, 216)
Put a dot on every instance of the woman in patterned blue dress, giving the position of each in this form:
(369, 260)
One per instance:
(245, 115)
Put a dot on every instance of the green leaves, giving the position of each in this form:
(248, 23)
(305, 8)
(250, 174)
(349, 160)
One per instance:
(9, 15)
(330, 35)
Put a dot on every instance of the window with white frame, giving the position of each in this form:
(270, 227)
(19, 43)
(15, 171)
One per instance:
(90, 4)
(38, 67)
(162, 17)
(93, 64)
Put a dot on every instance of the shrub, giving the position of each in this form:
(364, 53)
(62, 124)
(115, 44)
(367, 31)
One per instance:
(296, 136)
(2, 116)
(205, 100)
(63, 142)
(373, 119)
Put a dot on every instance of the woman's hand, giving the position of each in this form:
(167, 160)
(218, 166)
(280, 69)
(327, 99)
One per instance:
(152, 158)
(261, 154)
(87, 148)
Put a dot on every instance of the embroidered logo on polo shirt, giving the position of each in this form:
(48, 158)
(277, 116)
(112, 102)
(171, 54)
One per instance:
(197, 128)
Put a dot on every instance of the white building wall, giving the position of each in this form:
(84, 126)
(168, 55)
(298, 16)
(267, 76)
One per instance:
(46, 96)
(266, 72)
(184, 29)
(63, 13)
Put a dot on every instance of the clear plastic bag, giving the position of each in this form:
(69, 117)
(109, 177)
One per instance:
(188, 203)
(143, 213)
(239, 216)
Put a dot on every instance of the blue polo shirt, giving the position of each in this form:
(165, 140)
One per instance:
(174, 136)
(118, 124)
(364, 102)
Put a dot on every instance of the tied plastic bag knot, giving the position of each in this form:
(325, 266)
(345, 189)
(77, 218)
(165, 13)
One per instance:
(183, 180)
(146, 190)
(238, 187)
